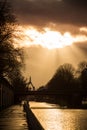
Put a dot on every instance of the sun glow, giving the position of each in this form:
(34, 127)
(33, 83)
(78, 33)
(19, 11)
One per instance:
(46, 38)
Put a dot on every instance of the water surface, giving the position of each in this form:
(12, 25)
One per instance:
(53, 118)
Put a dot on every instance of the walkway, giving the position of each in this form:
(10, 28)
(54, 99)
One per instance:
(13, 118)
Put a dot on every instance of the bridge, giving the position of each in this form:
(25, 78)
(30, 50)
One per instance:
(32, 91)
(49, 93)
(70, 98)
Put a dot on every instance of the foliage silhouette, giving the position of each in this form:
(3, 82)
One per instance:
(11, 58)
(72, 86)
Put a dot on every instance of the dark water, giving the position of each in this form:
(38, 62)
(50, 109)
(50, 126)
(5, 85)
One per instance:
(53, 118)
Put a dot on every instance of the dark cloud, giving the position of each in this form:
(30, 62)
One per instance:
(79, 3)
(42, 12)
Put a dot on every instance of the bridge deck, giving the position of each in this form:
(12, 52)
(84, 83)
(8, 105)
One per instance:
(53, 93)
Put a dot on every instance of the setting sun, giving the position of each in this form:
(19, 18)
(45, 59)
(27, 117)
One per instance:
(46, 38)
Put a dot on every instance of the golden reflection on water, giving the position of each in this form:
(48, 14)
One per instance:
(59, 119)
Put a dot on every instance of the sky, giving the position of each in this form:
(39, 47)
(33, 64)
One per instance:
(53, 32)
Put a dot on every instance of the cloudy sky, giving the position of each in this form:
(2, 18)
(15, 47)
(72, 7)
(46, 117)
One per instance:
(54, 32)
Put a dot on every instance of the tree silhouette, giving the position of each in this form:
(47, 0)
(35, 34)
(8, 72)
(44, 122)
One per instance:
(19, 84)
(62, 78)
(81, 66)
(7, 20)
(64, 81)
(82, 70)
(11, 58)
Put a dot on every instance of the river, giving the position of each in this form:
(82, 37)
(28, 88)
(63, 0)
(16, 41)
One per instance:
(53, 118)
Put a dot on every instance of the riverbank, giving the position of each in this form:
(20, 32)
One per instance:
(32, 121)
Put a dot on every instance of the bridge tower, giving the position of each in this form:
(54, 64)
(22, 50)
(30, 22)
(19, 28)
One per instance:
(30, 85)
